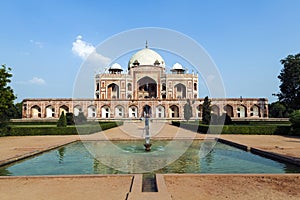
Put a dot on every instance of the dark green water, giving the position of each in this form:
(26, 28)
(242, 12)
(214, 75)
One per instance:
(76, 159)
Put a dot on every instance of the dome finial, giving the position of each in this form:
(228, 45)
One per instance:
(146, 44)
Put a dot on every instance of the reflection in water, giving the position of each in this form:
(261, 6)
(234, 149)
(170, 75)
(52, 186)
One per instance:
(207, 147)
(4, 172)
(61, 153)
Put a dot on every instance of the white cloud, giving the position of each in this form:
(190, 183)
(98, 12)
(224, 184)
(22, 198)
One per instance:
(84, 49)
(37, 43)
(37, 81)
(211, 78)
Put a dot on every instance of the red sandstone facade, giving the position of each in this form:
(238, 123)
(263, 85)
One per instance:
(147, 88)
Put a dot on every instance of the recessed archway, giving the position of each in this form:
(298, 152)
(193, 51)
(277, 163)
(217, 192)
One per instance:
(174, 111)
(215, 110)
(229, 110)
(119, 111)
(35, 111)
(160, 111)
(92, 111)
(179, 91)
(133, 112)
(64, 109)
(147, 111)
(147, 88)
(255, 111)
(50, 111)
(241, 111)
(77, 109)
(105, 112)
(113, 91)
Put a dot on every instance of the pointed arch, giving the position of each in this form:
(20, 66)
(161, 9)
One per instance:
(92, 111)
(241, 111)
(113, 91)
(64, 109)
(229, 110)
(105, 112)
(147, 87)
(133, 111)
(255, 111)
(215, 110)
(160, 111)
(174, 111)
(77, 109)
(35, 111)
(50, 111)
(119, 111)
(180, 91)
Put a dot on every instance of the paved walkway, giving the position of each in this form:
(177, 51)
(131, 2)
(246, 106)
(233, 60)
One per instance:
(284, 145)
(129, 186)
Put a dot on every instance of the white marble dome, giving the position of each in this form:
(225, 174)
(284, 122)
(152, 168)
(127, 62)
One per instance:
(177, 66)
(116, 66)
(146, 56)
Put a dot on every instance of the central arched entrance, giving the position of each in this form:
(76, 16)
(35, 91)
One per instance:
(113, 91)
(147, 88)
(147, 111)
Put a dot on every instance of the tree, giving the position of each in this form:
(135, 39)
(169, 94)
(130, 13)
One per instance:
(70, 118)
(187, 109)
(206, 111)
(278, 110)
(62, 121)
(7, 96)
(290, 82)
(224, 119)
(80, 119)
(295, 120)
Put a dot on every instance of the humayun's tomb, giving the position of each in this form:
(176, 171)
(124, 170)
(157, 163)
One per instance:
(147, 88)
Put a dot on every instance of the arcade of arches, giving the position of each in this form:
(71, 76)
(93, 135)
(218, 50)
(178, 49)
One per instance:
(52, 108)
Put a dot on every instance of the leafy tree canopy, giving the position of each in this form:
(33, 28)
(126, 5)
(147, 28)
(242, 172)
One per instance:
(278, 110)
(62, 121)
(206, 111)
(187, 110)
(290, 82)
(6, 92)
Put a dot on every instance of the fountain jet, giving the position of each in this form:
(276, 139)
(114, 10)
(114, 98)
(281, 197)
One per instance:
(147, 144)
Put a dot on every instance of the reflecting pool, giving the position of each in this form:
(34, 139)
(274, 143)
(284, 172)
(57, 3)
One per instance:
(77, 158)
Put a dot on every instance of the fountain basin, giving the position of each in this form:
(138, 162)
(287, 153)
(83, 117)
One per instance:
(76, 159)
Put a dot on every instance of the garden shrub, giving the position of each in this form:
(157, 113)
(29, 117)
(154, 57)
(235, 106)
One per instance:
(62, 121)
(71, 130)
(80, 119)
(237, 129)
(70, 118)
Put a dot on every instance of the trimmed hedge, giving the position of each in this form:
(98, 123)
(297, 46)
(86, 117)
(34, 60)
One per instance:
(32, 123)
(71, 130)
(236, 129)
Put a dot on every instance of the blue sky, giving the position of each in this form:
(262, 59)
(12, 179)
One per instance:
(246, 39)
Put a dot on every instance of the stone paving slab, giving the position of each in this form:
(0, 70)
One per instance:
(284, 145)
(104, 187)
(19, 147)
(233, 186)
